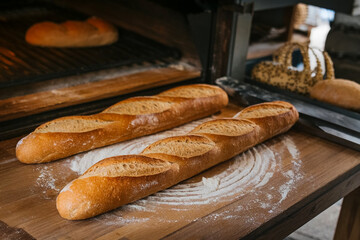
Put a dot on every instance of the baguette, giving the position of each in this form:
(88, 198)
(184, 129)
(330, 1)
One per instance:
(339, 92)
(130, 118)
(119, 180)
(92, 32)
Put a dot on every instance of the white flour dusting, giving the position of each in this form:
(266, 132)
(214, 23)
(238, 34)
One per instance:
(47, 182)
(46, 179)
(83, 161)
(293, 175)
(250, 170)
(246, 173)
(265, 179)
(286, 187)
(291, 147)
(211, 184)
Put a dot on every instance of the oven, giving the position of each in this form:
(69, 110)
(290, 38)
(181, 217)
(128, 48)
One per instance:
(161, 45)
(270, 190)
(155, 51)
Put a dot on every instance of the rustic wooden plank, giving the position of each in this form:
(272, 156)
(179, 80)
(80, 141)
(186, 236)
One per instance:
(300, 214)
(7, 232)
(348, 226)
(30, 104)
(317, 192)
(287, 179)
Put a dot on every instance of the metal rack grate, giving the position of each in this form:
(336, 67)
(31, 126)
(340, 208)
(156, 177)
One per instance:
(22, 63)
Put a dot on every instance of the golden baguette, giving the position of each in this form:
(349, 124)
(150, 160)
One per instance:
(90, 33)
(131, 118)
(119, 180)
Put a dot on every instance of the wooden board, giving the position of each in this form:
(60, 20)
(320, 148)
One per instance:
(282, 182)
(17, 107)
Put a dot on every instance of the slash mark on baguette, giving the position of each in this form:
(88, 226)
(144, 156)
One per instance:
(182, 146)
(128, 166)
(72, 125)
(201, 91)
(263, 111)
(140, 106)
(227, 127)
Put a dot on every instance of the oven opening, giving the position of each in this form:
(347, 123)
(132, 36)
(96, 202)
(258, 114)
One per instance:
(155, 50)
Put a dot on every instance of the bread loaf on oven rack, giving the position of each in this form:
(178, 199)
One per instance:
(119, 180)
(130, 118)
(89, 33)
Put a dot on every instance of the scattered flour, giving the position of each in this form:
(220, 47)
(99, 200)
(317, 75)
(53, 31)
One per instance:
(211, 184)
(46, 179)
(291, 147)
(265, 179)
(265, 205)
(83, 161)
(293, 176)
(248, 172)
(252, 169)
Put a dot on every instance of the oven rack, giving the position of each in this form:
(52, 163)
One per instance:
(22, 63)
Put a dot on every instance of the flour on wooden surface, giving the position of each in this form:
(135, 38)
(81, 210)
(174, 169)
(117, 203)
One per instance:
(46, 179)
(211, 184)
(83, 161)
(247, 173)
(250, 170)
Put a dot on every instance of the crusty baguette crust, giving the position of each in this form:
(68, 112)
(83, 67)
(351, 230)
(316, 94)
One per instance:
(89, 33)
(271, 125)
(109, 127)
(339, 92)
(210, 143)
(133, 187)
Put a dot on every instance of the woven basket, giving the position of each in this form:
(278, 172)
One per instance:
(282, 74)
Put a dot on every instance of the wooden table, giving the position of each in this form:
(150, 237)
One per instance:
(266, 193)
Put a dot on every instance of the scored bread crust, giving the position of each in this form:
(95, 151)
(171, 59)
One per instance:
(206, 145)
(90, 187)
(271, 125)
(56, 139)
(89, 33)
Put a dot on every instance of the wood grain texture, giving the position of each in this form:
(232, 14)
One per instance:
(22, 106)
(348, 226)
(7, 232)
(322, 172)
